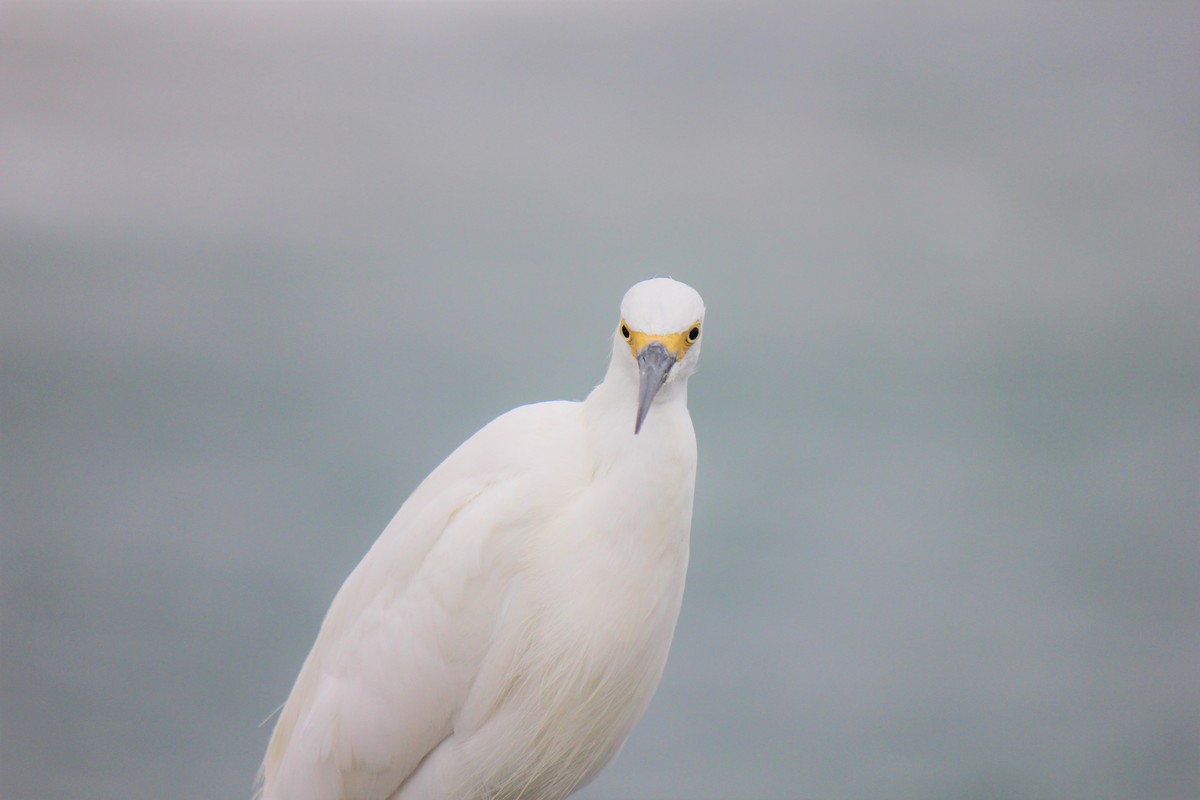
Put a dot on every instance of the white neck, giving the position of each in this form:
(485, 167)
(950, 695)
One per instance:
(611, 409)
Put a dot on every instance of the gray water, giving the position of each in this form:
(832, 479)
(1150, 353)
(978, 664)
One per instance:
(262, 265)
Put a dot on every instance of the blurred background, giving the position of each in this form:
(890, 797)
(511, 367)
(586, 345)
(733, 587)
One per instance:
(264, 264)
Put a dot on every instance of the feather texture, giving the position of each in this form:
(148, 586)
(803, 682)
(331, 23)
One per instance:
(509, 626)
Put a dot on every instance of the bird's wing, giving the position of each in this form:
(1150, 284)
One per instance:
(402, 642)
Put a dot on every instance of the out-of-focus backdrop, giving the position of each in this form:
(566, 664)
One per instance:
(264, 264)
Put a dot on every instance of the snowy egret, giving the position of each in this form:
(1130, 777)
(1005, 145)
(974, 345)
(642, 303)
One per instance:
(509, 626)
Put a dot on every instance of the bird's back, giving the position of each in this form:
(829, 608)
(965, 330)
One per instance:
(401, 645)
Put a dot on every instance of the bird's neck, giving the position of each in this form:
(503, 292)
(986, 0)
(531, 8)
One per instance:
(611, 411)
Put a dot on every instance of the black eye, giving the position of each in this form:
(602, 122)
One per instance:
(624, 331)
(694, 334)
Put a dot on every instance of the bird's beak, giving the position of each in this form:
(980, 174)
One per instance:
(654, 362)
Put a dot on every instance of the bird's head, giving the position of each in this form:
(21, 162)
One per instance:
(659, 334)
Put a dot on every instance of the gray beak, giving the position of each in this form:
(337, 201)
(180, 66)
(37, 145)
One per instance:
(654, 362)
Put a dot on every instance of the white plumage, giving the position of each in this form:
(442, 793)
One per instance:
(508, 628)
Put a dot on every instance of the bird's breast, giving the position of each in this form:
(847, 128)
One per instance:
(584, 635)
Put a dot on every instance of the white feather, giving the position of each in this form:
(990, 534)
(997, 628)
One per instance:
(510, 625)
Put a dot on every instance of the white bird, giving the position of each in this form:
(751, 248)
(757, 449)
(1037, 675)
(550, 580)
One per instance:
(509, 626)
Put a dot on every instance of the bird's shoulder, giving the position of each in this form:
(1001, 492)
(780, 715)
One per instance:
(530, 438)
(498, 474)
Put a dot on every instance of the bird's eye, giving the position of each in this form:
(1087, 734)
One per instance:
(625, 330)
(694, 334)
